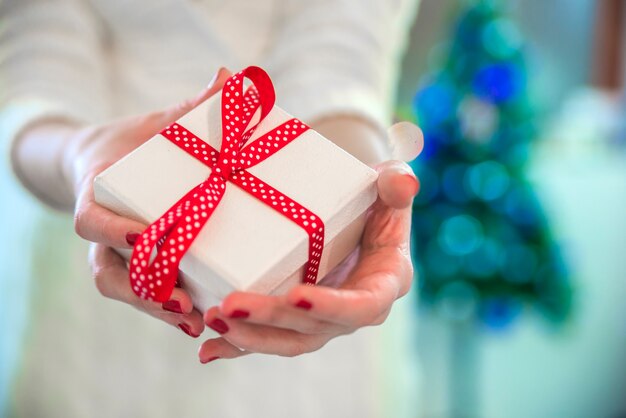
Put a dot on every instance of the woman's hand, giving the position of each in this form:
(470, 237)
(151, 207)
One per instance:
(307, 317)
(92, 150)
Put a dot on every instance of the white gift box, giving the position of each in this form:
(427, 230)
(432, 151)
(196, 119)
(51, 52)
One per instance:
(246, 245)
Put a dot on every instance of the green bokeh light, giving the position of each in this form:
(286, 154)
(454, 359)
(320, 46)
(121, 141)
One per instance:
(460, 235)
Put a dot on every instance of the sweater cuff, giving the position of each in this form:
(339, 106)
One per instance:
(15, 119)
(310, 105)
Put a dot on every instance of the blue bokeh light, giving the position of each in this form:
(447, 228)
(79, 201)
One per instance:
(498, 82)
(501, 38)
(458, 301)
(500, 312)
(521, 264)
(440, 263)
(486, 260)
(488, 180)
(521, 207)
(429, 184)
(435, 104)
(460, 235)
(452, 183)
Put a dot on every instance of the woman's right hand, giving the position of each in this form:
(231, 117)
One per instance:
(90, 151)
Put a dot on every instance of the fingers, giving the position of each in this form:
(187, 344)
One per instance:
(300, 322)
(274, 311)
(349, 307)
(155, 122)
(389, 221)
(309, 316)
(219, 348)
(111, 278)
(312, 310)
(263, 339)
(110, 273)
(214, 86)
(385, 249)
(397, 185)
(98, 224)
(179, 302)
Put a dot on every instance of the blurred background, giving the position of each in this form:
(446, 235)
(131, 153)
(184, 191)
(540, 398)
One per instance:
(519, 231)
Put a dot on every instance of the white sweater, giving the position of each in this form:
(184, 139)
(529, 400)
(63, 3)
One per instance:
(90, 61)
(94, 60)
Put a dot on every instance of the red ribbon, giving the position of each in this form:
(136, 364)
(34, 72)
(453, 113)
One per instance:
(174, 232)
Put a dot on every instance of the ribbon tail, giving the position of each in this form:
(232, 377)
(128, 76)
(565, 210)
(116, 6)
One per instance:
(174, 233)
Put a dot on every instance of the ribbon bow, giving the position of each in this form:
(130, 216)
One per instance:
(174, 232)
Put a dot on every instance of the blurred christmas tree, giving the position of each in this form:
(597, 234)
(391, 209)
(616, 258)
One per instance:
(480, 238)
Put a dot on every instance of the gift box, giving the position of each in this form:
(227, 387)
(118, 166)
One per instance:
(239, 196)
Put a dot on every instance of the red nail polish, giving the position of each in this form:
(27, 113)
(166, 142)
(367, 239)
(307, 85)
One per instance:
(415, 184)
(218, 326)
(239, 314)
(185, 328)
(172, 306)
(131, 238)
(210, 359)
(304, 304)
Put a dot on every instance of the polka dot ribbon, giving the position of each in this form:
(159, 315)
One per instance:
(174, 232)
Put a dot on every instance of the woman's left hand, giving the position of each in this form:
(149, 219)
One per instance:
(307, 317)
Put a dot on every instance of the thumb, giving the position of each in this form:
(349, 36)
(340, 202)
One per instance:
(397, 185)
(156, 121)
(214, 86)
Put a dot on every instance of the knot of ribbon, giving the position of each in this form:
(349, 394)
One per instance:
(154, 278)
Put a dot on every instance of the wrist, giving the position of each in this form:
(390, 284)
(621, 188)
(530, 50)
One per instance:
(38, 157)
(365, 140)
(71, 161)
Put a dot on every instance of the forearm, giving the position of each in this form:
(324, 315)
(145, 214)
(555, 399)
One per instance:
(52, 70)
(364, 140)
(38, 156)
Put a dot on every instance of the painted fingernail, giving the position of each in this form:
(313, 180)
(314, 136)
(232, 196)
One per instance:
(304, 304)
(131, 238)
(172, 306)
(239, 314)
(415, 184)
(210, 359)
(218, 326)
(185, 328)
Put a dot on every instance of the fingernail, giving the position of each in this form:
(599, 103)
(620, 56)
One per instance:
(185, 328)
(208, 86)
(172, 306)
(196, 100)
(406, 140)
(304, 304)
(215, 77)
(415, 184)
(218, 326)
(210, 359)
(131, 238)
(239, 314)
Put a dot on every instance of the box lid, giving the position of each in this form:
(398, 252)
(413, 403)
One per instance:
(245, 245)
